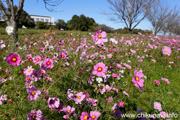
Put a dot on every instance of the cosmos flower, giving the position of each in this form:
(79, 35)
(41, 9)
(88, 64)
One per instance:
(156, 82)
(53, 102)
(165, 80)
(9, 30)
(35, 115)
(62, 55)
(100, 69)
(28, 71)
(34, 93)
(94, 115)
(79, 98)
(48, 63)
(100, 37)
(120, 104)
(37, 60)
(166, 50)
(164, 114)
(84, 116)
(13, 59)
(157, 106)
(68, 109)
(99, 79)
(137, 80)
(109, 99)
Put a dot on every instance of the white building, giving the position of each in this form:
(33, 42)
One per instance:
(37, 18)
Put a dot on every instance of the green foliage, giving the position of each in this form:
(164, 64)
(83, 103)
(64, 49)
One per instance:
(42, 25)
(61, 24)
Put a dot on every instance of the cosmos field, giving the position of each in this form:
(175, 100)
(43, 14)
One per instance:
(93, 76)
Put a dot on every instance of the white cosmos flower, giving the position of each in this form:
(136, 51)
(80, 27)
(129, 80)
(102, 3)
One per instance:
(99, 79)
(2, 46)
(113, 40)
(9, 30)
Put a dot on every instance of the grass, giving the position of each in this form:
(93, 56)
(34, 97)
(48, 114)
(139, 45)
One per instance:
(69, 77)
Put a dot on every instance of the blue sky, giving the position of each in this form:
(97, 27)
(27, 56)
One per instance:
(90, 8)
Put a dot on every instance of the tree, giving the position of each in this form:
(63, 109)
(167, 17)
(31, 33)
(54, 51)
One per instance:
(61, 24)
(130, 12)
(74, 23)
(12, 17)
(158, 16)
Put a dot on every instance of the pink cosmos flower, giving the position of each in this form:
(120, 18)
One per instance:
(124, 92)
(53, 103)
(68, 109)
(94, 115)
(28, 71)
(120, 104)
(29, 84)
(28, 55)
(3, 97)
(109, 99)
(109, 55)
(34, 93)
(48, 63)
(100, 69)
(137, 80)
(37, 60)
(165, 80)
(164, 114)
(166, 50)
(62, 55)
(115, 76)
(133, 51)
(108, 88)
(13, 59)
(66, 116)
(84, 116)
(127, 66)
(102, 90)
(100, 37)
(79, 98)
(156, 82)
(157, 106)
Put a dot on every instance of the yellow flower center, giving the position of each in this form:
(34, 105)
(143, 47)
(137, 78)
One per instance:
(137, 79)
(99, 36)
(62, 56)
(119, 104)
(68, 111)
(165, 51)
(114, 111)
(85, 117)
(99, 69)
(33, 116)
(14, 59)
(37, 59)
(33, 93)
(29, 84)
(29, 70)
(10, 30)
(4, 97)
(79, 97)
(93, 117)
(48, 63)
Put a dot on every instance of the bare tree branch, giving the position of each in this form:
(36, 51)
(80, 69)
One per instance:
(130, 12)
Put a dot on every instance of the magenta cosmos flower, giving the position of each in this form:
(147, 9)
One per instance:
(94, 115)
(166, 50)
(35, 115)
(53, 103)
(84, 116)
(34, 93)
(100, 69)
(48, 63)
(165, 80)
(137, 80)
(28, 71)
(13, 59)
(100, 37)
(157, 106)
(156, 82)
(62, 55)
(120, 104)
(79, 98)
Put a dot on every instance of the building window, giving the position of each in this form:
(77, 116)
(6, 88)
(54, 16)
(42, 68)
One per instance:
(37, 19)
(46, 20)
(42, 20)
